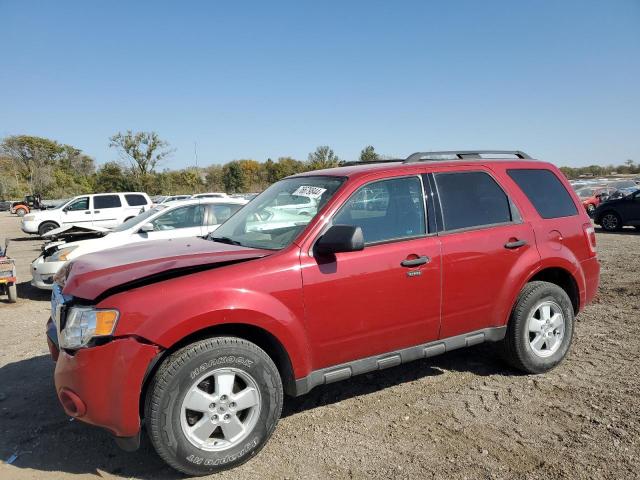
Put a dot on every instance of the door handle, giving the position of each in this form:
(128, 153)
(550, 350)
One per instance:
(414, 262)
(515, 244)
(96, 211)
(87, 213)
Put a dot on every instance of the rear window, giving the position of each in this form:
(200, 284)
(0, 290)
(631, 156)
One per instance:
(545, 191)
(135, 200)
(106, 201)
(471, 200)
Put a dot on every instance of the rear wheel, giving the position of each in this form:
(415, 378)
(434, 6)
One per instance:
(12, 293)
(611, 222)
(21, 211)
(540, 329)
(213, 405)
(45, 227)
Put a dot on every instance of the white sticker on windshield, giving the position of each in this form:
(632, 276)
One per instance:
(309, 191)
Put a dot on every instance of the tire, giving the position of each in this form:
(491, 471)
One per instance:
(520, 345)
(611, 222)
(21, 212)
(186, 377)
(45, 227)
(12, 293)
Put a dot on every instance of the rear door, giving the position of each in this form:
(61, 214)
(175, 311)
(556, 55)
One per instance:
(107, 210)
(484, 243)
(217, 214)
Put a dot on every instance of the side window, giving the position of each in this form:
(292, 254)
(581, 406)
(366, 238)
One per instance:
(220, 213)
(545, 191)
(471, 199)
(386, 210)
(184, 217)
(106, 201)
(79, 204)
(135, 200)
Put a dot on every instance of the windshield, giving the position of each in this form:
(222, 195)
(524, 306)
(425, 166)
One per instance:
(275, 217)
(138, 219)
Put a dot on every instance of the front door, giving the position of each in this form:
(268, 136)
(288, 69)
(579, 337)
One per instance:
(78, 212)
(385, 297)
(180, 222)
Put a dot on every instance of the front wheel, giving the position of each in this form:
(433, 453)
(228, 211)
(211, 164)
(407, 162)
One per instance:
(21, 212)
(540, 329)
(212, 405)
(611, 222)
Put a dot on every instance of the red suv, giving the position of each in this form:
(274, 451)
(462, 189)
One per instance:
(199, 339)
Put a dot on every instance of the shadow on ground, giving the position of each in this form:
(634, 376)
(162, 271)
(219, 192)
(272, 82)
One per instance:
(45, 439)
(29, 292)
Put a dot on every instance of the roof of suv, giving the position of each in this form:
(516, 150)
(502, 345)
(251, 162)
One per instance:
(357, 169)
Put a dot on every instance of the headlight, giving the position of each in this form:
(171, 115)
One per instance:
(28, 218)
(84, 323)
(61, 255)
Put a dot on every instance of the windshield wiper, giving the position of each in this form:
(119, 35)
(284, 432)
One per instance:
(225, 240)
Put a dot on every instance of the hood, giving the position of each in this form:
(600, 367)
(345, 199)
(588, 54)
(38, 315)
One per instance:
(96, 273)
(70, 232)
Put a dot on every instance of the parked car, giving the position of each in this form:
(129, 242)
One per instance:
(592, 196)
(170, 198)
(615, 214)
(106, 210)
(190, 218)
(8, 276)
(5, 205)
(200, 338)
(210, 195)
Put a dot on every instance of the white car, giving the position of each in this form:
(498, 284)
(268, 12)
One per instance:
(105, 210)
(210, 195)
(185, 218)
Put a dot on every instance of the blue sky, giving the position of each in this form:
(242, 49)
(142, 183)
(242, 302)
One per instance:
(560, 80)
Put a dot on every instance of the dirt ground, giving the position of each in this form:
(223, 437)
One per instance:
(461, 415)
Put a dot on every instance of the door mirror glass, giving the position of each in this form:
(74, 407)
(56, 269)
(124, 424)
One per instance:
(147, 227)
(340, 238)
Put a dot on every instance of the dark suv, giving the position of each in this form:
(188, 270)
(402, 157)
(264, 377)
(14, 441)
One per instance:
(198, 339)
(615, 214)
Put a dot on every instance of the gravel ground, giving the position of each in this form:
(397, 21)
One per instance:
(461, 415)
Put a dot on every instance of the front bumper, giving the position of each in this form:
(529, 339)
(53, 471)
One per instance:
(42, 273)
(29, 226)
(105, 380)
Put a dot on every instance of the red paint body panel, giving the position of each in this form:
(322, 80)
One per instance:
(108, 379)
(322, 312)
(98, 272)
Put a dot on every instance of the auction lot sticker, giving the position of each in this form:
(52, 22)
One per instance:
(309, 191)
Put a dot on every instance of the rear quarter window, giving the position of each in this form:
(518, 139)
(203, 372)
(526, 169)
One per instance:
(135, 200)
(545, 191)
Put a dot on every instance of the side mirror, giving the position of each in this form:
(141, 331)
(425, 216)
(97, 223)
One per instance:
(340, 238)
(147, 227)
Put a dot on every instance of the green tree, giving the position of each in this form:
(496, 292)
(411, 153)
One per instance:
(111, 177)
(143, 150)
(34, 157)
(368, 154)
(323, 157)
(233, 177)
(214, 181)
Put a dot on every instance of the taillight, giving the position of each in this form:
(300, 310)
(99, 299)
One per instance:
(590, 234)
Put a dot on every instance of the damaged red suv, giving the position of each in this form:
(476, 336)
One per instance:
(323, 276)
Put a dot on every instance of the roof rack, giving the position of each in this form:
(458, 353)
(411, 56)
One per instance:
(369, 162)
(462, 155)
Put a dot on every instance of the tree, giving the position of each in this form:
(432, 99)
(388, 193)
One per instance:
(233, 177)
(34, 158)
(144, 150)
(368, 154)
(111, 177)
(214, 178)
(323, 157)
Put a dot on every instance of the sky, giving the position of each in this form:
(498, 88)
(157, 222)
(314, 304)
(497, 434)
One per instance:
(559, 80)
